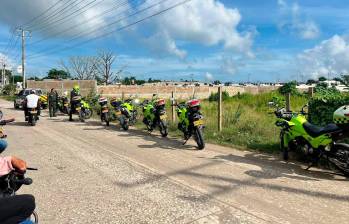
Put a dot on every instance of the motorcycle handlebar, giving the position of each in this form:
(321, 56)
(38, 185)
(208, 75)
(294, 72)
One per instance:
(31, 168)
(25, 181)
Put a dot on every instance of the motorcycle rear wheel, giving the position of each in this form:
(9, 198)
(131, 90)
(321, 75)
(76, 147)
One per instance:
(199, 138)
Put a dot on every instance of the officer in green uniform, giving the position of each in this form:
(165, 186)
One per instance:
(52, 102)
(74, 93)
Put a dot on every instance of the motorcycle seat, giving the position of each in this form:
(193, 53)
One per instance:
(315, 131)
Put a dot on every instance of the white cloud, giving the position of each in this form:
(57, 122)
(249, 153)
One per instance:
(292, 20)
(209, 76)
(330, 56)
(162, 44)
(72, 17)
(207, 22)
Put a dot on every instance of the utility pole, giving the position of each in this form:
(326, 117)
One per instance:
(3, 77)
(23, 35)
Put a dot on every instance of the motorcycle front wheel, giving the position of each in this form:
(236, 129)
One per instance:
(163, 128)
(199, 138)
(283, 148)
(123, 123)
(81, 116)
(88, 113)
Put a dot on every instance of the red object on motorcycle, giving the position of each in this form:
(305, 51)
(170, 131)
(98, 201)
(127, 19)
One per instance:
(102, 100)
(193, 103)
(161, 102)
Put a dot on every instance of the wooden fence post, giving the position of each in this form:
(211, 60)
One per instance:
(173, 101)
(288, 102)
(311, 92)
(122, 96)
(220, 109)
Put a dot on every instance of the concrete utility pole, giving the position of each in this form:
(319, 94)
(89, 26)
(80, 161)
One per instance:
(23, 35)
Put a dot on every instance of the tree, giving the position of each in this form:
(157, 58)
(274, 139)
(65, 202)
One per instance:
(57, 74)
(217, 82)
(311, 81)
(290, 87)
(105, 62)
(82, 67)
(345, 80)
(322, 79)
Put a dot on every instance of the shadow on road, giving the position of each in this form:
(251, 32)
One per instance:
(19, 123)
(158, 141)
(270, 168)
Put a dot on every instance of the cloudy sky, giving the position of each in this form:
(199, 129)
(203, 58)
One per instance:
(230, 40)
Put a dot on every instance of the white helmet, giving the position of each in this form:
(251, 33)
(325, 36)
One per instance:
(341, 115)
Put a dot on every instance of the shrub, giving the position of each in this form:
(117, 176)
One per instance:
(9, 89)
(325, 102)
(214, 96)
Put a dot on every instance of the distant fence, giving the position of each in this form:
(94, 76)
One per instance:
(200, 92)
(86, 86)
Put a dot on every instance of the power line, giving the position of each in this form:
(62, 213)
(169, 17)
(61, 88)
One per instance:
(119, 29)
(42, 14)
(66, 17)
(82, 34)
(121, 4)
(9, 42)
(53, 14)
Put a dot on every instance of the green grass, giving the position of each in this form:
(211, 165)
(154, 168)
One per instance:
(8, 97)
(247, 122)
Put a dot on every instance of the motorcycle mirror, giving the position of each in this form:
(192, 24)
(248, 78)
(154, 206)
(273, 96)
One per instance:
(271, 104)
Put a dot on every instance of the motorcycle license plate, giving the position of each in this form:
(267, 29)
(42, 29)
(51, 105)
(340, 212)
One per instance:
(65, 104)
(118, 113)
(33, 112)
(198, 122)
(78, 108)
(105, 111)
(163, 117)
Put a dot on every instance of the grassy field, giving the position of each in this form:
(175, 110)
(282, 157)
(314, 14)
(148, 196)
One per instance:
(247, 122)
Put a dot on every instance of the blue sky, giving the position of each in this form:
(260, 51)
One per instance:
(229, 40)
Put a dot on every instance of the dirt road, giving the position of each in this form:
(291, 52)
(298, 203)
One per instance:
(92, 174)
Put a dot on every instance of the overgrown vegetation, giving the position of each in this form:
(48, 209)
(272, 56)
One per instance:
(324, 103)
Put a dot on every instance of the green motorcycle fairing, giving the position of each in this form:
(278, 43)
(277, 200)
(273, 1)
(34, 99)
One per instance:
(182, 116)
(148, 112)
(297, 130)
(128, 106)
(85, 105)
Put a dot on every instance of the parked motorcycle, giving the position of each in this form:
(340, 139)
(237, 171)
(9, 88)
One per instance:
(103, 102)
(154, 113)
(11, 183)
(131, 111)
(44, 101)
(313, 141)
(83, 109)
(63, 104)
(191, 121)
(120, 113)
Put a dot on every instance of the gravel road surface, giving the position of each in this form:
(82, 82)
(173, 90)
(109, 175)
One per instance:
(89, 173)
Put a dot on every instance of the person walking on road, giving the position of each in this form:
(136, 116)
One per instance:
(52, 102)
(73, 101)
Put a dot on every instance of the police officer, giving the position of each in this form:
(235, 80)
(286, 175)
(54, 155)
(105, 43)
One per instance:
(52, 102)
(73, 103)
